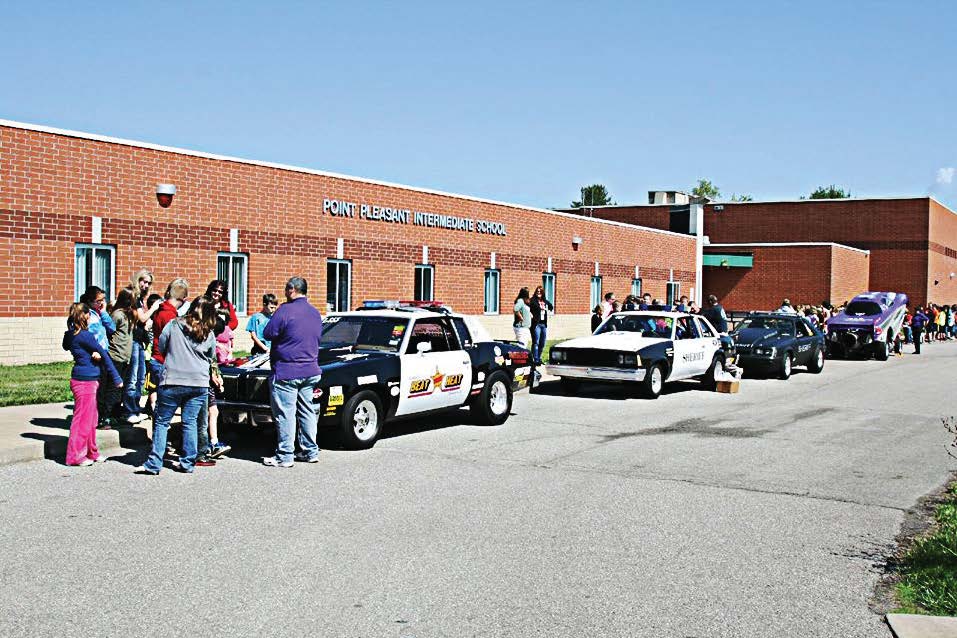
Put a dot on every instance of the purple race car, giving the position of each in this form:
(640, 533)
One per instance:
(867, 325)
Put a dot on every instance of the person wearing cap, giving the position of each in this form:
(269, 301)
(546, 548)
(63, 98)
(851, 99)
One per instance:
(787, 308)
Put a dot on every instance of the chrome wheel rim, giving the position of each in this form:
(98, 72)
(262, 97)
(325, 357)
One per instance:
(365, 421)
(498, 398)
(656, 380)
(820, 359)
(718, 369)
(787, 365)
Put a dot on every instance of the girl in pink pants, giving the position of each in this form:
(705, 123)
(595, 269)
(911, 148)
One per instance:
(89, 359)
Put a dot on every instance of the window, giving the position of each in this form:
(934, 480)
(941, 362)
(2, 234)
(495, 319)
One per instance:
(805, 329)
(673, 289)
(465, 337)
(424, 282)
(95, 265)
(595, 292)
(231, 268)
(636, 287)
(548, 285)
(338, 285)
(436, 332)
(704, 328)
(491, 292)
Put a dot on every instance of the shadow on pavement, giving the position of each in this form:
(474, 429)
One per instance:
(614, 391)
(54, 445)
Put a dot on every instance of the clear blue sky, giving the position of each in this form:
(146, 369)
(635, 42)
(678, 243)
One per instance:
(523, 102)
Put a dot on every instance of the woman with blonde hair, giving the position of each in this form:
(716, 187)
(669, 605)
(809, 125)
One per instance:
(140, 284)
(189, 349)
(88, 357)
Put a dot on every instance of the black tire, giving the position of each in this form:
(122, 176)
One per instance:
(493, 405)
(787, 365)
(883, 351)
(570, 386)
(817, 364)
(708, 381)
(361, 420)
(653, 382)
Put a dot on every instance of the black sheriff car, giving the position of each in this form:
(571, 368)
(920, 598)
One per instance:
(775, 342)
(387, 361)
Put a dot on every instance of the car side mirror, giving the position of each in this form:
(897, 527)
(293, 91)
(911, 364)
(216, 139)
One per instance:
(423, 346)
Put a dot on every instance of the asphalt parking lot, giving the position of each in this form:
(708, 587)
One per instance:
(759, 514)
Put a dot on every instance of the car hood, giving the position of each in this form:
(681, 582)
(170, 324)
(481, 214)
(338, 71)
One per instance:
(846, 321)
(756, 336)
(329, 359)
(626, 341)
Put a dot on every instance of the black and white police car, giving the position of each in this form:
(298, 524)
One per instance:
(646, 348)
(390, 360)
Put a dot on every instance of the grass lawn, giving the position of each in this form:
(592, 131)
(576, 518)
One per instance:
(35, 383)
(928, 571)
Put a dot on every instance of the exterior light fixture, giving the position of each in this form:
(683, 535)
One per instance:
(576, 242)
(164, 194)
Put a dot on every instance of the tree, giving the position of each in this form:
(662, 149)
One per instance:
(593, 195)
(829, 192)
(706, 189)
(741, 198)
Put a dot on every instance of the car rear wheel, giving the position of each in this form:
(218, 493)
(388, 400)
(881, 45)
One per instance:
(493, 405)
(654, 382)
(883, 352)
(817, 362)
(710, 379)
(361, 420)
(786, 365)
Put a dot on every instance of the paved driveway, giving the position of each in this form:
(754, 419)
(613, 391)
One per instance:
(698, 514)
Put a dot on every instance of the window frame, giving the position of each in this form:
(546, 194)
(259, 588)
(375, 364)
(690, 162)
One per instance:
(672, 292)
(498, 291)
(550, 275)
(636, 280)
(244, 257)
(77, 291)
(348, 264)
(595, 295)
(420, 268)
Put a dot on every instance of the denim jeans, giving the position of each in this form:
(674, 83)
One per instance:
(169, 397)
(291, 401)
(202, 428)
(133, 383)
(539, 333)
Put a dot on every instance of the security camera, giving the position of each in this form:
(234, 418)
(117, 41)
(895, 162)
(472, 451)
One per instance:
(164, 194)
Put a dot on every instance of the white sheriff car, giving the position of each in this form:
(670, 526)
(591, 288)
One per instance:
(643, 347)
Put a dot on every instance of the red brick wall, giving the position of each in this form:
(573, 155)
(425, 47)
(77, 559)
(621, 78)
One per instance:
(804, 274)
(51, 185)
(942, 259)
(850, 271)
(649, 216)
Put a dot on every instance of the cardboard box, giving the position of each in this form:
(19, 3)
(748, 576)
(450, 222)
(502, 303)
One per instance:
(728, 387)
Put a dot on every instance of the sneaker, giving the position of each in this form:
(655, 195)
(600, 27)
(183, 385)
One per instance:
(104, 424)
(88, 463)
(100, 459)
(205, 461)
(178, 467)
(135, 418)
(302, 458)
(217, 450)
(143, 471)
(171, 452)
(272, 461)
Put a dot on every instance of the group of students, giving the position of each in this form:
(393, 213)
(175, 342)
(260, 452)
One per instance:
(157, 342)
(531, 320)
(714, 312)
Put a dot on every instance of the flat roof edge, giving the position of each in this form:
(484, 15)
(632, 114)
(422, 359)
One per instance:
(311, 171)
(789, 244)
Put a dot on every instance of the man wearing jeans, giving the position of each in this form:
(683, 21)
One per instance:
(294, 331)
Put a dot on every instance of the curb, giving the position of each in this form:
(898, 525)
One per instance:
(53, 446)
(916, 626)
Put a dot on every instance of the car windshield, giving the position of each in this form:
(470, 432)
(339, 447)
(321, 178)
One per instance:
(363, 332)
(782, 326)
(863, 308)
(648, 325)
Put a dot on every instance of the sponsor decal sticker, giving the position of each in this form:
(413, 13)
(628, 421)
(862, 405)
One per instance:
(452, 383)
(366, 380)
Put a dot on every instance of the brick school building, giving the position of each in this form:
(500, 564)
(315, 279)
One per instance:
(79, 209)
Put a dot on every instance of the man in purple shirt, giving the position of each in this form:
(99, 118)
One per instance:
(294, 331)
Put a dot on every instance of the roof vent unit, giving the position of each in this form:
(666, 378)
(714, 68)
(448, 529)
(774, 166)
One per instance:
(668, 197)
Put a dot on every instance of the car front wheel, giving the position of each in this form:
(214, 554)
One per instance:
(493, 405)
(710, 379)
(654, 382)
(786, 366)
(883, 351)
(361, 420)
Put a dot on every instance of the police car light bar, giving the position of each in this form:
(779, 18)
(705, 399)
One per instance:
(380, 304)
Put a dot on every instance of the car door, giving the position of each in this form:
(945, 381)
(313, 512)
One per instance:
(804, 343)
(709, 337)
(689, 350)
(435, 372)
